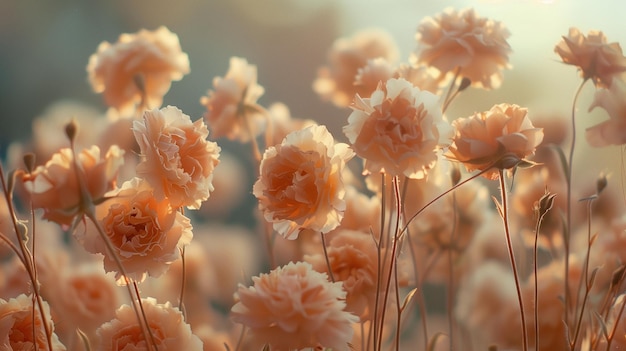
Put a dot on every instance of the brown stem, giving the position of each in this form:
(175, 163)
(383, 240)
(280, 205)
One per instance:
(509, 245)
(330, 270)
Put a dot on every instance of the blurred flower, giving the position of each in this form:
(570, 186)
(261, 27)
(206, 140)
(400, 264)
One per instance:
(294, 307)
(167, 325)
(353, 261)
(613, 131)
(55, 186)
(496, 139)
(336, 82)
(16, 326)
(460, 40)
(300, 186)
(138, 69)
(282, 123)
(177, 161)
(596, 59)
(398, 129)
(144, 231)
(232, 109)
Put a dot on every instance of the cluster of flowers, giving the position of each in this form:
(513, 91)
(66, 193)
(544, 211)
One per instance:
(348, 258)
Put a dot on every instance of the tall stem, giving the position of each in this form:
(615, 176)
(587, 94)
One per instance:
(509, 244)
(568, 178)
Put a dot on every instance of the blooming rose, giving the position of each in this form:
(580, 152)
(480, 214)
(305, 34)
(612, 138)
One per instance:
(145, 232)
(294, 307)
(16, 326)
(138, 69)
(167, 325)
(398, 129)
(596, 59)
(177, 161)
(613, 131)
(498, 138)
(300, 185)
(336, 82)
(55, 187)
(232, 109)
(460, 40)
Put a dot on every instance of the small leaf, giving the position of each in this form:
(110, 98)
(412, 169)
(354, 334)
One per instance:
(408, 299)
(498, 206)
(603, 327)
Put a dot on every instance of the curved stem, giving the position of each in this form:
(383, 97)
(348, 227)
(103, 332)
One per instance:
(509, 245)
(330, 270)
(568, 179)
(181, 298)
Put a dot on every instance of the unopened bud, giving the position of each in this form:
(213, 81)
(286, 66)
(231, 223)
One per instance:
(465, 83)
(601, 183)
(545, 203)
(71, 130)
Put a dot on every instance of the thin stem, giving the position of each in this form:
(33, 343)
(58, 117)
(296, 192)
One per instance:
(398, 307)
(181, 297)
(509, 245)
(330, 270)
(145, 318)
(394, 248)
(536, 281)
(379, 245)
(420, 293)
(568, 178)
(451, 273)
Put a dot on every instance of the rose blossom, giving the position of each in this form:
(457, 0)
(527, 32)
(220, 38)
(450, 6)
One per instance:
(460, 40)
(613, 131)
(177, 161)
(144, 231)
(232, 109)
(300, 186)
(55, 187)
(167, 325)
(596, 59)
(336, 82)
(138, 69)
(498, 139)
(398, 129)
(16, 325)
(294, 307)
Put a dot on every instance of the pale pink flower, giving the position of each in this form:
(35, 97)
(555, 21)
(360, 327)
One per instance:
(16, 326)
(167, 325)
(232, 109)
(353, 262)
(178, 160)
(55, 187)
(145, 232)
(300, 186)
(137, 69)
(596, 59)
(83, 298)
(398, 130)
(461, 41)
(371, 74)
(294, 307)
(423, 77)
(282, 123)
(336, 82)
(612, 131)
(496, 139)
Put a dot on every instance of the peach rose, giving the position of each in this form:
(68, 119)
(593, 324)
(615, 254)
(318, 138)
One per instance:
(167, 325)
(138, 69)
(596, 59)
(300, 185)
(336, 82)
(294, 307)
(461, 40)
(232, 109)
(498, 139)
(613, 131)
(55, 187)
(353, 261)
(16, 326)
(144, 231)
(398, 130)
(177, 161)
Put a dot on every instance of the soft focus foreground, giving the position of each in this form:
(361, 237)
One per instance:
(421, 225)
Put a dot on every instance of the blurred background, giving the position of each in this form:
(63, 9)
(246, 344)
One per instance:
(45, 47)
